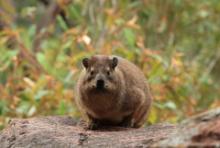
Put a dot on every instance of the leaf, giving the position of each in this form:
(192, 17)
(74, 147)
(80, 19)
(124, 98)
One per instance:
(3, 107)
(129, 36)
(62, 23)
(23, 108)
(40, 94)
(170, 105)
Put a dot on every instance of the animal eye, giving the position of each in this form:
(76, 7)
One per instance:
(91, 72)
(108, 73)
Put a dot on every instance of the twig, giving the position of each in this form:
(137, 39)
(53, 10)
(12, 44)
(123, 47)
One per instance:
(26, 54)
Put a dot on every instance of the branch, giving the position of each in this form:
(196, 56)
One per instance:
(54, 9)
(26, 54)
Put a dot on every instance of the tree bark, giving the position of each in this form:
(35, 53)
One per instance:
(58, 131)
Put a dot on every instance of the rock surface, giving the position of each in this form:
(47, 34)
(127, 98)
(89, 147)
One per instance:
(57, 131)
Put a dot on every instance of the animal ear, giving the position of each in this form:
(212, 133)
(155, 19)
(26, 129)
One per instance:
(85, 62)
(114, 62)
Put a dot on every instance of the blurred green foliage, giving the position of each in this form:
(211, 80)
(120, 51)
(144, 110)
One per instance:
(176, 44)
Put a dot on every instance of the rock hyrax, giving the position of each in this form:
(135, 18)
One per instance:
(112, 91)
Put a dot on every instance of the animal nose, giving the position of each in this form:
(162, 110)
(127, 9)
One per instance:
(100, 84)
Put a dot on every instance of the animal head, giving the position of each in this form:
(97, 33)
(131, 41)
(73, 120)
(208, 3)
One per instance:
(101, 73)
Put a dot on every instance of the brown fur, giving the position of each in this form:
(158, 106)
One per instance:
(126, 99)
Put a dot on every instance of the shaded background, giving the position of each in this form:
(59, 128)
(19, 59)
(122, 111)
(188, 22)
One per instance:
(175, 43)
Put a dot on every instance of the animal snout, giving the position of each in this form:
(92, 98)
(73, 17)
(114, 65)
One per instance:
(100, 84)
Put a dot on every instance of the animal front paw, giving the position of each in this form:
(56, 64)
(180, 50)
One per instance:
(93, 126)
